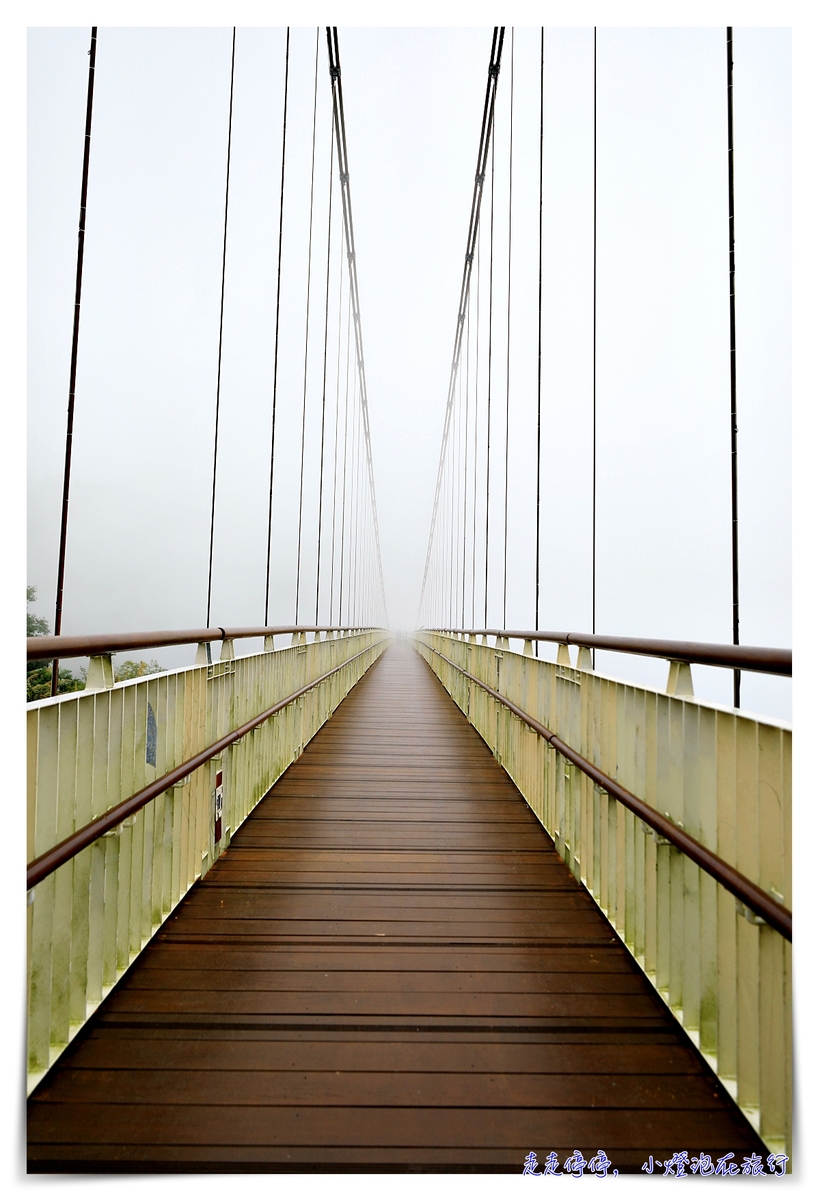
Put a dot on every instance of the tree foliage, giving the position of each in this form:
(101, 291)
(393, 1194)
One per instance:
(133, 670)
(35, 626)
(38, 673)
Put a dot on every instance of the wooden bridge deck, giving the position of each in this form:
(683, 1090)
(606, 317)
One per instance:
(390, 969)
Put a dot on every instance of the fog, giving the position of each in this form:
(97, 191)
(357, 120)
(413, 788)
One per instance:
(137, 555)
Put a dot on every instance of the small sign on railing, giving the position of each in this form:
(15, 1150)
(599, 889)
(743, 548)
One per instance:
(218, 806)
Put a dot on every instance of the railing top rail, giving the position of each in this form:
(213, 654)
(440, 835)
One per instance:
(771, 660)
(111, 643)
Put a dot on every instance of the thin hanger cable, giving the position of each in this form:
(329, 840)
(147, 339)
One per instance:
(306, 335)
(488, 390)
(324, 384)
(75, 335)
(278, 313)
(476, 416)
(508, 333)
(221, 333)
(337, 424)
(539, 359)
(346, 443)
(593, 463)
(733, 390)
(466, 470)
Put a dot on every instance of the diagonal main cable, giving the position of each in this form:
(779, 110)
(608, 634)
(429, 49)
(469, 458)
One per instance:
(346, 202)
(471, 241)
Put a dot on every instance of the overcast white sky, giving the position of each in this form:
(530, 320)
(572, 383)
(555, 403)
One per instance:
(140, 492)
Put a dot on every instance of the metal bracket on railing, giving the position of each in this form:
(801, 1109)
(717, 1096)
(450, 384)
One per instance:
(128, 823)
(585, 660)
(228, 652)
(217, 669)
(563, 655)
(203, 654)
(657, 837)
(748, 914)
(528, 649)
(679, 679)
(269, 642)
(100, 673)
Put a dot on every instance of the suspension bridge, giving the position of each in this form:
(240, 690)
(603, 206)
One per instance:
(454, 900)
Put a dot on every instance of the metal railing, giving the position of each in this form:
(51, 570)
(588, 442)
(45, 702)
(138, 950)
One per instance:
(770, 660)
(83, 645)
(676, 815)
(135, 788)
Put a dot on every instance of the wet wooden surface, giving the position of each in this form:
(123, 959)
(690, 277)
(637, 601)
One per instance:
(390, 969)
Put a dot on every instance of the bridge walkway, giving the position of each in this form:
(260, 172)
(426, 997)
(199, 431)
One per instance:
(389, 969)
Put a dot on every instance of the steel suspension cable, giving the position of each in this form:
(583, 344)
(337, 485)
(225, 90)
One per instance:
(306, 333)
(346, 201)
(221, 333)
(539, 359)
(278, 313)
(75, 336)
(324, 385)
(508, 331)
(474, 223)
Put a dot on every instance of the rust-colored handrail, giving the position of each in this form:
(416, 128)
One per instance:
(39, 868)
(766, 906)
(771, 660)
(112, 643)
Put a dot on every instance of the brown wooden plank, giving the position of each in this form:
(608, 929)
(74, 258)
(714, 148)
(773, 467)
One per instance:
(242, 1125)
(393, 1003)
(412, 1089)
(131, 1050)
(461, 982)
